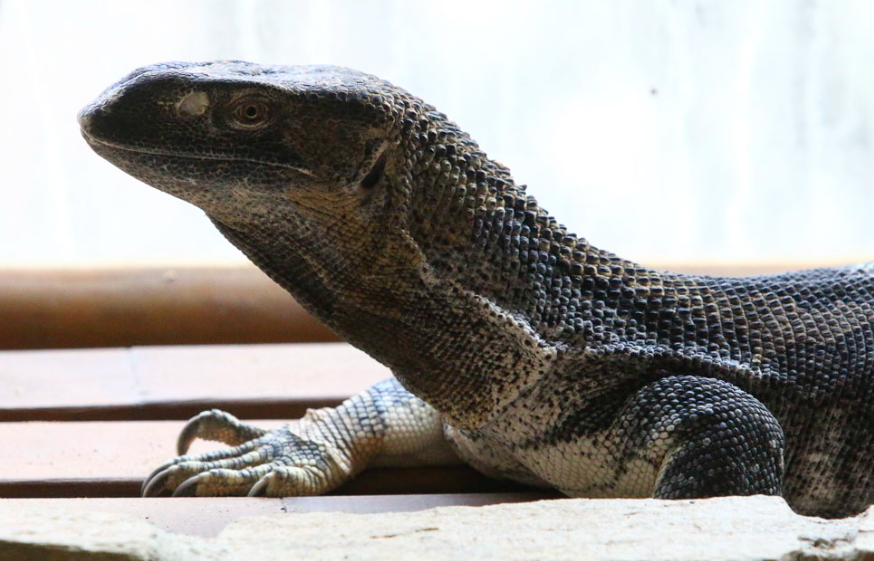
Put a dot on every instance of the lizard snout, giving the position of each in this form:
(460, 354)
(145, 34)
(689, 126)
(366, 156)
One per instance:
(85, 117)
(95, 114)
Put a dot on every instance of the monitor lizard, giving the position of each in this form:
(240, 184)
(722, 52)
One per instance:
(516, 346)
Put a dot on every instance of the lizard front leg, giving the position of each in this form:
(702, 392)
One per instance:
(382, 426)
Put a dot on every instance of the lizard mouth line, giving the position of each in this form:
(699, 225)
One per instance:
(158, 152)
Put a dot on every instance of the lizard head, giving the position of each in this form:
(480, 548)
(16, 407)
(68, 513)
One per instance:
(341, 165)
(236, 139)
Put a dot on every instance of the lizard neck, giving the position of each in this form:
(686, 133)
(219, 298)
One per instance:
(465, 287)
(481, 231)
(443, 343)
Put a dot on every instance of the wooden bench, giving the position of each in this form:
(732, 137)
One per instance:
(92, 423)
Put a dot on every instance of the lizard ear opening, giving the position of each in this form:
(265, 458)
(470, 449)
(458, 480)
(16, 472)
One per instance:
(375, 173)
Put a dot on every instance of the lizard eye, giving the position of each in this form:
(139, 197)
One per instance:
(249, 113)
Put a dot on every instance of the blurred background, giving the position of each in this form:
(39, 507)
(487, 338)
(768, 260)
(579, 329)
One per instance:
(684, 131)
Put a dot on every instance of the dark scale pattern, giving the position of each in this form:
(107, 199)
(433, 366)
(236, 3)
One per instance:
(722, 440)
(550, 360)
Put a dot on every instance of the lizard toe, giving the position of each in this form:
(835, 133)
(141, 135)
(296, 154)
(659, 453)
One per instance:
(279, 463)
(226, 482)
(217, 425)
(292, 481)
(250, 453)
(227, 476)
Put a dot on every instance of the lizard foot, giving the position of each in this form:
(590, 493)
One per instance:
(293, 460)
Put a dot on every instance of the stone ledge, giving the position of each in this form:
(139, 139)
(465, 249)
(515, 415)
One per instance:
(737, 528)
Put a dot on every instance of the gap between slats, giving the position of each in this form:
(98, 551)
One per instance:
(379, 481)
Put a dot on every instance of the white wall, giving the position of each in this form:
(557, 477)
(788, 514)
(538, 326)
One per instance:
(662, 130)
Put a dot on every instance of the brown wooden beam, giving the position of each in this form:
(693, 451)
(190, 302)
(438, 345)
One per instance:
(126, 307)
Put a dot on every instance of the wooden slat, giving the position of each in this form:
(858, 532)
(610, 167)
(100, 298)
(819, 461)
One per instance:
(65, 379)
(254, 371)
(207, 518)
(268, 381)
(110, 459)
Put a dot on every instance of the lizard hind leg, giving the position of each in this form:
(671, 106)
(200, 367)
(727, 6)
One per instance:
(718, 440)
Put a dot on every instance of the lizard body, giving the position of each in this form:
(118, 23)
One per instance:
(517, 346)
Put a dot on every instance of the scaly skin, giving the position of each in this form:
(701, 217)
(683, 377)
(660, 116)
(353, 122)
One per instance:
(540, 357)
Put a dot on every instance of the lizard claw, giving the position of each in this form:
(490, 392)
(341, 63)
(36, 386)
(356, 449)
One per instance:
(188, 488)
(188, 434)
(284, 462)
(155, 484)
(259, 489)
